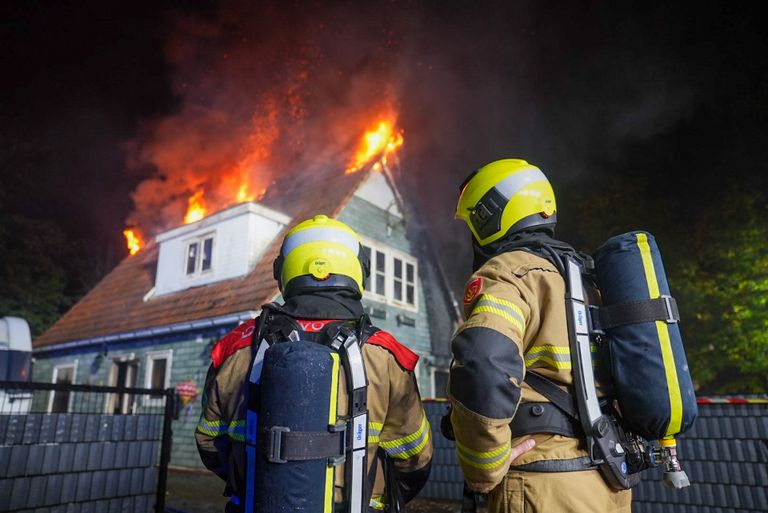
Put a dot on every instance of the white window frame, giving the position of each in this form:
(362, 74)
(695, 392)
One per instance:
(390, 254)
(56, 368)
(167, 355)
(199, 240)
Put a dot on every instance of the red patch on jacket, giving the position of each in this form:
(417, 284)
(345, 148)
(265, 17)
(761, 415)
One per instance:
(312, 325)
(237, 339)
(404, 356)
(472, 290)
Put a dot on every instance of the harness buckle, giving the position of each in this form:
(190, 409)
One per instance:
(593, 321)
(276, 443)
(670, 307)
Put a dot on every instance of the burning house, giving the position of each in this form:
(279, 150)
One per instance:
(153, 321)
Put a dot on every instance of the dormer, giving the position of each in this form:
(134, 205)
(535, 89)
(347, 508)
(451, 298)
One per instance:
(223, 246)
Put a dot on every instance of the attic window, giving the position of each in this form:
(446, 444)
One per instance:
(199, 255)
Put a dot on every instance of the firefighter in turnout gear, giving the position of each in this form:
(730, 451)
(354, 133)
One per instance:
(516, 327)
(321, 270)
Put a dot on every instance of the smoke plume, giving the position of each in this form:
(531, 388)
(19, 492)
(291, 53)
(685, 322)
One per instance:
(261, 92)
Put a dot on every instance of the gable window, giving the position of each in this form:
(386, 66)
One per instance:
(199, 255)
(158, 374)
(379, 280)
(404, 281)
(393, 275)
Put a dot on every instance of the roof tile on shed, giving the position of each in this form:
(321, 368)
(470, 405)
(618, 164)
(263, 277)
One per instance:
(115, 305)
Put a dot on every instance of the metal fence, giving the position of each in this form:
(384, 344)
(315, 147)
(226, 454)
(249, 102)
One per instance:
(68, 448)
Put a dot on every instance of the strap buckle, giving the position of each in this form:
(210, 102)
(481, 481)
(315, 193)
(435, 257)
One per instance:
(341, 428)
(276, 443)
(593, 321)
(670, 307)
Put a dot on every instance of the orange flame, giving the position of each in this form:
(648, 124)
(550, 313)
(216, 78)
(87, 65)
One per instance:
(133, 240)
(383, 140)
(196, 210)
(235, 169)
(242, 193)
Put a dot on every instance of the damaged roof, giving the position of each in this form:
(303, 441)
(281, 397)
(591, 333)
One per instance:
(116, 304)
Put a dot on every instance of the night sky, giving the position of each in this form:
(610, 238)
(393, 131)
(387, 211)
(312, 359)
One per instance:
(93, 94)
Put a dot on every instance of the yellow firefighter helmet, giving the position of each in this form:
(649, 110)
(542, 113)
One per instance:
(504, 197)
(321, 254)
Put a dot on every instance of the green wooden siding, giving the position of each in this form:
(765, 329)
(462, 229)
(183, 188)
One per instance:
(372, 222)
(190, 359)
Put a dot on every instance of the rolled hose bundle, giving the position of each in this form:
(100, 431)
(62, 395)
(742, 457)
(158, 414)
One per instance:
(648, 364)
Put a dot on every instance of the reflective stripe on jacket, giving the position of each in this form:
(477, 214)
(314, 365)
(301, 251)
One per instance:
(515, 321)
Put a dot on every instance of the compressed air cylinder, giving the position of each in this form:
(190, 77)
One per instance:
(648, 363)
(299, 387)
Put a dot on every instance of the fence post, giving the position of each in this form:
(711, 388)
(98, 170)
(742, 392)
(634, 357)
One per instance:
(165, 451)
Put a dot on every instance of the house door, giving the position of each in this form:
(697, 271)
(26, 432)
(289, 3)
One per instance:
(123, 375)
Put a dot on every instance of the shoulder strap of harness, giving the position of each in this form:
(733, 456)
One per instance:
(604, 437)
(605, 440)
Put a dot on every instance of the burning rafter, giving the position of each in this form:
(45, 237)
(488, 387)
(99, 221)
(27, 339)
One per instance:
(381, 142)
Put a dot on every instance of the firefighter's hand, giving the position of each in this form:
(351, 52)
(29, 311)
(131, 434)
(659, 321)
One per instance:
(521, 448)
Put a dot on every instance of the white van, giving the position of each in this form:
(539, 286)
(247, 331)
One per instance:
(15, 363)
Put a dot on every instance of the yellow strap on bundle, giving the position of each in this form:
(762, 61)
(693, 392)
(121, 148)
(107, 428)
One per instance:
(668, 357)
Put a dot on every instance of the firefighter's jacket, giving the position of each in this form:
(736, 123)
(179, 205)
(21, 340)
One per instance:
(397, 421)
(515, 321)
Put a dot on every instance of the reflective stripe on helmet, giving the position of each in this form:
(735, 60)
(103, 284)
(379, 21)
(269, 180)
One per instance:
(512, 184)
(329, 234)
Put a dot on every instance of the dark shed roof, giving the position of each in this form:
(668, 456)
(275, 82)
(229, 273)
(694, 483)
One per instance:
(725, 455)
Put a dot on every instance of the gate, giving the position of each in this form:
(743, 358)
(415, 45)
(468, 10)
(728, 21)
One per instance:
(83, 449)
